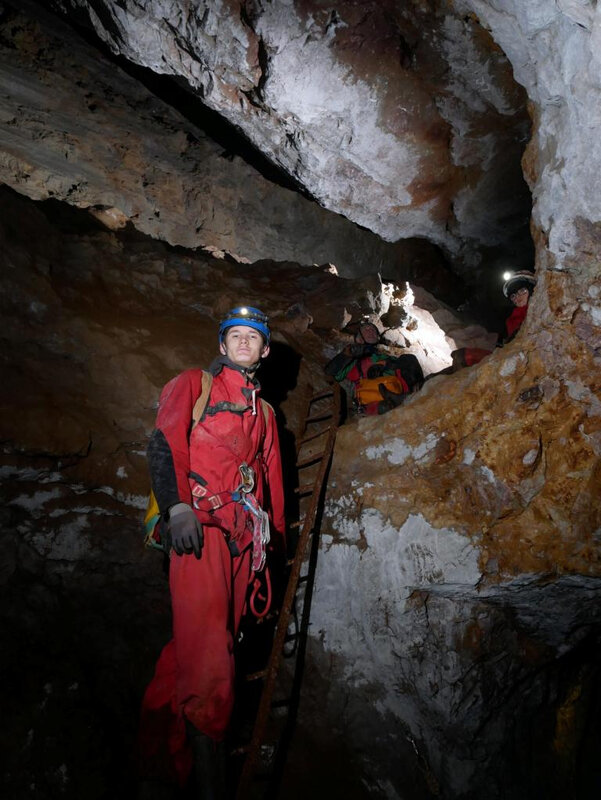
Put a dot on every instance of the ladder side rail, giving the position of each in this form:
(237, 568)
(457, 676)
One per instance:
(275, 657)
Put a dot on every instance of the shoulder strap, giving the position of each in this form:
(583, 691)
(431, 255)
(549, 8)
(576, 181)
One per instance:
(267, 410)
(203, 397)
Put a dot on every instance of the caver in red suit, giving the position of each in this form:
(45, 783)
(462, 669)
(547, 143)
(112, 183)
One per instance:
(194, 678)
(518, 288)
(514, 321)
(368, 370)
(473, 355)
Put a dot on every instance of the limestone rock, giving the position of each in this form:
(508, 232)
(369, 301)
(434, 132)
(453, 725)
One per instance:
(474, 503)
(454, 635)
(98, 321)
(404, 118)
(76, 127)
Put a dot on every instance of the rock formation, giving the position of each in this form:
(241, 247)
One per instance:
(78, 128)
(416, 131)
(454, 638)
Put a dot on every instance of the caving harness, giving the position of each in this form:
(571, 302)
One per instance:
(243, 495)
(203, 501)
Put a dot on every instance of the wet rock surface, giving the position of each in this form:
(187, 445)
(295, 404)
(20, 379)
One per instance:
(468, 520)
(454, 639)
(96, 322)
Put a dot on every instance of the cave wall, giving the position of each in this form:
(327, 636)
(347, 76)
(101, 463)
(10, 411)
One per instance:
(469, 520)
(95, 322)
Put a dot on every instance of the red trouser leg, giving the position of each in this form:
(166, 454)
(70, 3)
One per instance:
(164, 753)
(208, 598)
(194, 677)
(474, 355)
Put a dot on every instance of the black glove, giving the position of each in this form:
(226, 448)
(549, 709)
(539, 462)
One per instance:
(185, 530)
(391, 399)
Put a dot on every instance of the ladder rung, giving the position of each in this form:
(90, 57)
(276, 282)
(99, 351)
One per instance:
(324, 393)
(256, 676)
(244, 749)
(319, 417)
(267, 618)
(298, 524)
(309, 460)
(314, 435)
(290, 563)
(306, 489)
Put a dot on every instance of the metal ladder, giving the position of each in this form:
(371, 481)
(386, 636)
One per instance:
(313, 456)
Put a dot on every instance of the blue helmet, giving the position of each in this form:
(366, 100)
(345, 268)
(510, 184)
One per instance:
(245, 315)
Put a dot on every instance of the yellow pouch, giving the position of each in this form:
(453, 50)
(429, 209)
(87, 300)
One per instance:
(368, 389)
(151, 519)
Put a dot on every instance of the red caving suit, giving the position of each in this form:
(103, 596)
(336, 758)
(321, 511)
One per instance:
(514, 321)
(194, 677)
(473, 355)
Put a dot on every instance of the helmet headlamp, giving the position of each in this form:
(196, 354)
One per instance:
(245, 315)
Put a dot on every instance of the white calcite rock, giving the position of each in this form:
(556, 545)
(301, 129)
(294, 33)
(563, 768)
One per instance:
(404, 118)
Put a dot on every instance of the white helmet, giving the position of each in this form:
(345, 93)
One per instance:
(519, 279)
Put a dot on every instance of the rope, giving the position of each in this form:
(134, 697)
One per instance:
(255, 595)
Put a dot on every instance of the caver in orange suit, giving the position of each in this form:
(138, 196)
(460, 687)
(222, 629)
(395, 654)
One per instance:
(194, 677)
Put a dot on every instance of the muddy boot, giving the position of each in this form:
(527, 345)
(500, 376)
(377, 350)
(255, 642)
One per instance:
(459, 361)
(208, 771)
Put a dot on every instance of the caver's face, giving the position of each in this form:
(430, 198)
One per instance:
(244, 346)
(520, 298)
(367, 334)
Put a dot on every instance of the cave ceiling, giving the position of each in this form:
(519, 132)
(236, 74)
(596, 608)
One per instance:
(403, 117)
